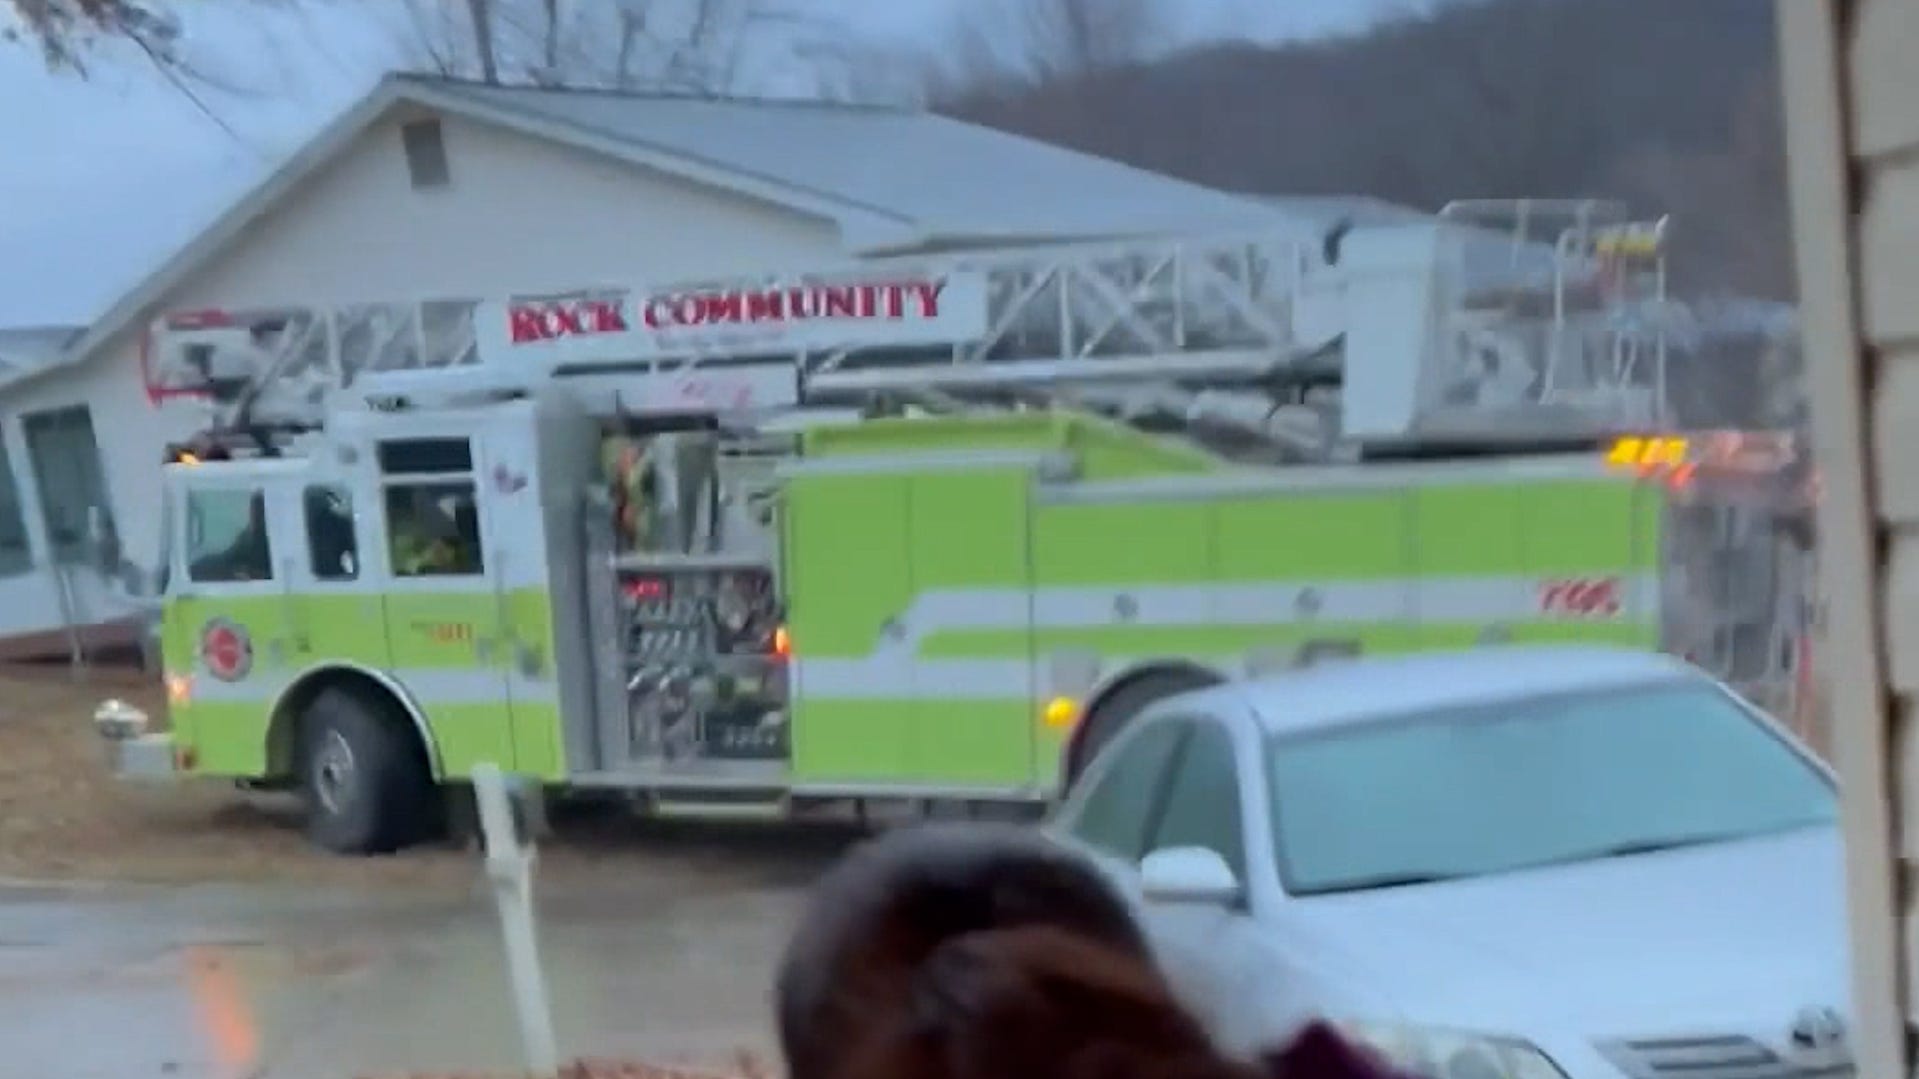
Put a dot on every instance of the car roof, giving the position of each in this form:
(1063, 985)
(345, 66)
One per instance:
(1349, 691)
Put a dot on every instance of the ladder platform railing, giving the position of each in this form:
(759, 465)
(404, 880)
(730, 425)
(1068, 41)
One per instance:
(1187, 306)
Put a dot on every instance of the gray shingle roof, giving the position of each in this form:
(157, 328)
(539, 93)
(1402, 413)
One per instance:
(28, 348)
(1325, 211)
(947, 178)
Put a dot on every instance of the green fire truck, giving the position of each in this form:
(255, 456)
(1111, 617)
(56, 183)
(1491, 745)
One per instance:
(931, 528)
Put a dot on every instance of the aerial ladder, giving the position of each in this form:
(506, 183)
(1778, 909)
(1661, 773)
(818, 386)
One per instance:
(1483, 327)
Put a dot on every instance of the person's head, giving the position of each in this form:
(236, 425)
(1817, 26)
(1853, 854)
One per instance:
(977, 952)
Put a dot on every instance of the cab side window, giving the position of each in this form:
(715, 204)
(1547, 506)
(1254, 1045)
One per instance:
(1202, 800)
(331, 544)
(432, 507)
(227, 536)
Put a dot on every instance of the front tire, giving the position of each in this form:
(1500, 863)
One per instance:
(363, 778)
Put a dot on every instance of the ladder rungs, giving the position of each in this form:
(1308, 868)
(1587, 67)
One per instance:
(986, 374)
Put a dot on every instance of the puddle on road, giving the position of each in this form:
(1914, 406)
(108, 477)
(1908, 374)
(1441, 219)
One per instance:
(218, 982)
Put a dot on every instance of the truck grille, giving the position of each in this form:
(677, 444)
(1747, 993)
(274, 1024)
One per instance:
(1729, 1056)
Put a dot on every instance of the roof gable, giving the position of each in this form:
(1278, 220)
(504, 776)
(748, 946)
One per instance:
(891, 179)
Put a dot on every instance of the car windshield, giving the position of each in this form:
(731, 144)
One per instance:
(1531, 782)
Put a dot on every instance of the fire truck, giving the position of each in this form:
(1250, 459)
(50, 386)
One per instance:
(929, 528)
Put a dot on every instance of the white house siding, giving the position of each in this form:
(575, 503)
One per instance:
(519, 214)
(131, 437)
(1853, 150)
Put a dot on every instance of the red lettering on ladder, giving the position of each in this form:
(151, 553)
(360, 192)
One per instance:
(547, 320)
(912, 299)
(1581, 597)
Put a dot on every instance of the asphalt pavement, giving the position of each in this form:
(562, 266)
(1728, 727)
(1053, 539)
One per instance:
(667, 958)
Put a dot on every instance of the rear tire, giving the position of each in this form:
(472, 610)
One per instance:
(363, 777)
(1111, 715)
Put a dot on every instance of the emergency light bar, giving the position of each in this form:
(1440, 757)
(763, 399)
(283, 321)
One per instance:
(1732, 451)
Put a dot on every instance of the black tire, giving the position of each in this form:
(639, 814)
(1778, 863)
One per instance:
(362, 777)
(1113, 714)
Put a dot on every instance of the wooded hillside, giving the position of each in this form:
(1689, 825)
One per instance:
(1671, 105)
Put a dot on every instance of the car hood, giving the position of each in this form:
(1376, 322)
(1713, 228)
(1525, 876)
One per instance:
(1733, 937)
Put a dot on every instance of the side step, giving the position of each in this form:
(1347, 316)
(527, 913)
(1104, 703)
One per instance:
(668, 807)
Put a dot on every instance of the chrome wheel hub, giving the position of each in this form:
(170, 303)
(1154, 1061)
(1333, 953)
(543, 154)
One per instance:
(333, 768)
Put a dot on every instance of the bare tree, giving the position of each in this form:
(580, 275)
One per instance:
(678, 46)
(1514, 98)
(632, 26)
(1027, 42)
(64, 32)
(552, 54)
(62, 29)
(1071, 37)
(480, 14)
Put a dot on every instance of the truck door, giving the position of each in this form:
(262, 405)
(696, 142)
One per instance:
(334, 602)
(849, 585)
(438, 564)
(972, 722)
(226, 627)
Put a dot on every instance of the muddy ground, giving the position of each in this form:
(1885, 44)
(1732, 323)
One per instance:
(196, 923)
(64, 817)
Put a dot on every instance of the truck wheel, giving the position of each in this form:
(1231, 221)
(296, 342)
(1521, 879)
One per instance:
(362, 778)
(1113, 714)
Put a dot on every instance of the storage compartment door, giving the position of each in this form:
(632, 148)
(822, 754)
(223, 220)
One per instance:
(848, 587)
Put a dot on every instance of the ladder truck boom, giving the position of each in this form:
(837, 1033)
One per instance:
(1454, 329)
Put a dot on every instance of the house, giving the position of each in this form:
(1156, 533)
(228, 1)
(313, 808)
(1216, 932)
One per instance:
(1852, 160)
(439, 188)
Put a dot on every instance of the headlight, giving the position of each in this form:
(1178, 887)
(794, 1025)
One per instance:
(1452, 1054)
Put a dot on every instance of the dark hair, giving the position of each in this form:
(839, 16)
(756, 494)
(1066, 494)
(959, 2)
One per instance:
(988, 952)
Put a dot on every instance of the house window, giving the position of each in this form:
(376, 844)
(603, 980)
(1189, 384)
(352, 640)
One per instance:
(73, 485)
(425, 147)
(16, 557)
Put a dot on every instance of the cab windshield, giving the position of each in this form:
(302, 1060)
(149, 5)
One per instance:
(1533, 782)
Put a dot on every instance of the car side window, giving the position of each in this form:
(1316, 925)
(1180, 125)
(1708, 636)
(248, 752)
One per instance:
(1202, 807)
(1114, 815)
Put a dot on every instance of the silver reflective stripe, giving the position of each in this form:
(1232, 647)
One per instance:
(429, 686)
(882, 678)
(895, 671)
(1511, 598)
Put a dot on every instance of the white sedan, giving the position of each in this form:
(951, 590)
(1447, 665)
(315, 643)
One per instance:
(1524, 862)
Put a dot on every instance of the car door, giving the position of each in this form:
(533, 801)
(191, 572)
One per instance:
(1203, 945)
(1108, 818)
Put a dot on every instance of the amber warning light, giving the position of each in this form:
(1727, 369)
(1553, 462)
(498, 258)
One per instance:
(1669, 456)
(1644, 453)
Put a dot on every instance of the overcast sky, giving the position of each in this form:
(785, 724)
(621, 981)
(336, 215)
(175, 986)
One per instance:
(102, 179)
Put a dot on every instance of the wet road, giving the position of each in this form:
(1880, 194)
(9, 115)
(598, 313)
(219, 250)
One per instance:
(663, 955)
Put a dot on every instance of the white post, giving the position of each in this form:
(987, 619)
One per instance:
(509, 867)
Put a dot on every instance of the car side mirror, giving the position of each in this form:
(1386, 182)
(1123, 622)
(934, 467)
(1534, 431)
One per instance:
(1188, 875)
